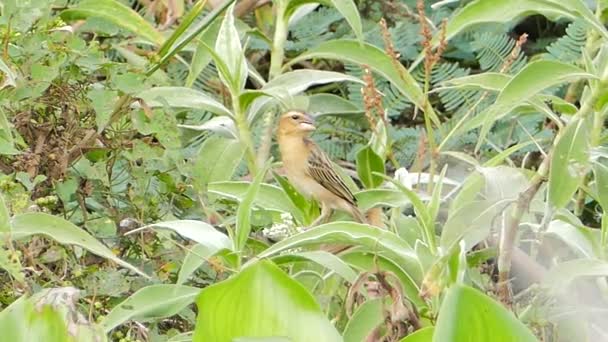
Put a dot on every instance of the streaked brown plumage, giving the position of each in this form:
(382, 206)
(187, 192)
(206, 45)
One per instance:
(310, 170)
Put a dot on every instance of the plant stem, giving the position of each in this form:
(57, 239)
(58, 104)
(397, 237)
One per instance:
(244, 130)
(264, 149)
(280, 36)
(509, 231)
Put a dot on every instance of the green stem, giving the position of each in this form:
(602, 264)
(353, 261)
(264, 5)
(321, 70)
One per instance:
(280, 36)
(244, 130)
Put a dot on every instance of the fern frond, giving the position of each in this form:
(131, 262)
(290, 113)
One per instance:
(493, 50)
(569, 48)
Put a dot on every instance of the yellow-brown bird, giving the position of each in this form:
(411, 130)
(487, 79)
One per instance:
(310, 170)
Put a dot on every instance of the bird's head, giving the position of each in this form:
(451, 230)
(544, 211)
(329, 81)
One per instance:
(295, 122)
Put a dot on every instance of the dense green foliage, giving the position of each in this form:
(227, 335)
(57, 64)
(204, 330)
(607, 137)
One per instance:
(142, 196)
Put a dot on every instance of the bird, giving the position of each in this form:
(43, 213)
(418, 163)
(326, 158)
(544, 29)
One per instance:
(310, 170)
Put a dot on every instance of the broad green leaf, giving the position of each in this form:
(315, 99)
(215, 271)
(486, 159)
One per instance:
(366, 318)
(5, 225)
(201, 57)
(198, 231)
(184, 25)
(158, 76)
(350, 12)
(269, 197)
(492, 81)
(535, 77)
(117, 13)
(484, 195)
(569, 162)
(281, 306)
(294, 82)
(298, 200)
(193, 260)
(368, 199)
(381, 241)
(422, 335)
(366, 54)
(330, 104)
(243, 213)
(561, 275)
(217, 160)
(469, 315)
(8, 80)
(600, 186)
(222, 125)
(46, 324)
(369, 162)
(529, 81)
(7, 144)
(228, 47)
(582, 240)
(501, 11)
(154, 301)
(181, 97)
(325, 259)
(189, 35)
(65, 232)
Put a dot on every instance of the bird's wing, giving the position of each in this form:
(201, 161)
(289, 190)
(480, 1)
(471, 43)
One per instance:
(320, 168)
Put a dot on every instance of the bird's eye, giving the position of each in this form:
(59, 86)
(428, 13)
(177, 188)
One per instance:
(295, 117)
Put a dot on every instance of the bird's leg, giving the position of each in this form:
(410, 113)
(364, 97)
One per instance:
(325, 212)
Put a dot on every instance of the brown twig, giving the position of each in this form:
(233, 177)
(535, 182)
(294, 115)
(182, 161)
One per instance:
(509, 231)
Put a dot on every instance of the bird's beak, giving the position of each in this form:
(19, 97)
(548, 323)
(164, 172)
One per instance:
(308, 123)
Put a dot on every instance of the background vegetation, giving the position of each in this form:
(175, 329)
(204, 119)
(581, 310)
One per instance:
(142, 196)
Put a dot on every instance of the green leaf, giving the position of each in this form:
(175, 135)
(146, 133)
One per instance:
(191, 34)
(228, 47)
(243, 213)
(369, 162)
(582, 240)
(154, 301)
(193, 260)
(492, 81)
(269, 197)
(181, 97)
(298, 200)
(281, 306)
(64, 232)
(469, 315)
(569, 162)
(8, 80)
(350, 12)
(295, 82)
(600, 186)
(367, 54)
(529, 81)
(561, 275)
(325, 259)
(383, 242)
(330, 104)
(7, 143)
(422, 335)
(484, 195)
(368, 199)
(367, 317)
(202, 57)
(184, 24)
(117, 13)
(501, 11)
(198, 231)
(5, 225)
(226, 155)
